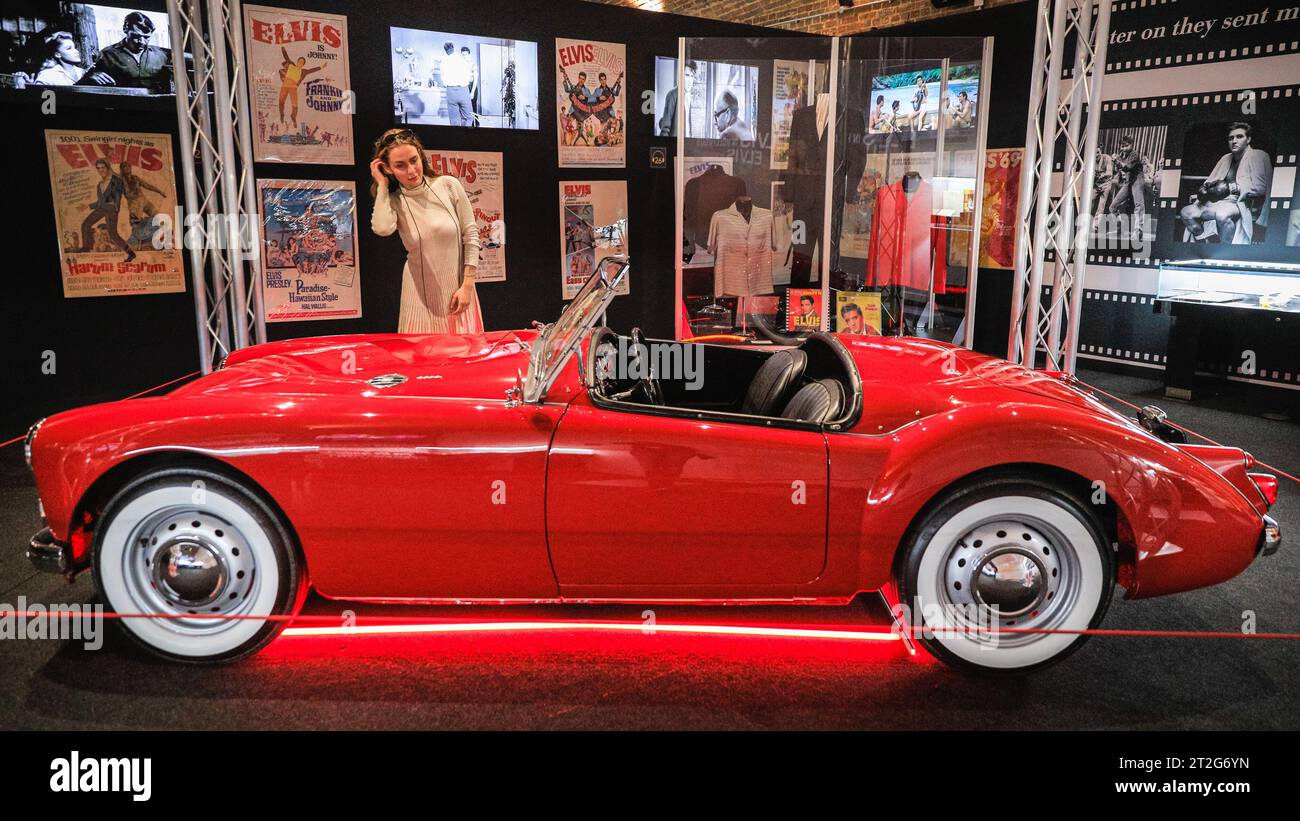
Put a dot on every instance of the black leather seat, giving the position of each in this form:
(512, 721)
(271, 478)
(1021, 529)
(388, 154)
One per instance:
(774, 382)
(819, 402)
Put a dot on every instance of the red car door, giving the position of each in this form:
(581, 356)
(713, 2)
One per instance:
(642, 505)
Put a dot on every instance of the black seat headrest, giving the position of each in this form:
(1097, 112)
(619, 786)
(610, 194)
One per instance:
(818, 402)
(775, 380)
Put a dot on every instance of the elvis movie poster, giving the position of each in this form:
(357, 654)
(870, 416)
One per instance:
(114, 202)
(1001, 207)
(299, 86)
(309, 250)
(590, 103)
(483, 176)
(593, 224)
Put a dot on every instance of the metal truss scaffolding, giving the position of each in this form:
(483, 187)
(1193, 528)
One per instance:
(220, 226)
(1055, 217)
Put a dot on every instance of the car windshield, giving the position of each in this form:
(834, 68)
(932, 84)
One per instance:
(556, 342)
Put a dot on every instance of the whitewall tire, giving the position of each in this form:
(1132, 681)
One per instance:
(1000, 556)
(205, 554)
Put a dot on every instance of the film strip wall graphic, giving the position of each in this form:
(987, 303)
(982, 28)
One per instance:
(1178, 74)
(1119, 322)
(1193, 129)
(1163, 33)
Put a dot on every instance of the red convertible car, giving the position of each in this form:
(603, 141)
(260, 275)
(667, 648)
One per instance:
(1000, 506)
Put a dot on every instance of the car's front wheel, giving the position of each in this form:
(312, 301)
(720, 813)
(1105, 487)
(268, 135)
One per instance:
(996, 562)
(203, 561)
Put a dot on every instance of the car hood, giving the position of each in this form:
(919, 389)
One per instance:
(472, 366)
(905, 379)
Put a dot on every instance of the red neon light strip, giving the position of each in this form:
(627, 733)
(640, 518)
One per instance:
(649, 629)
(420, 624)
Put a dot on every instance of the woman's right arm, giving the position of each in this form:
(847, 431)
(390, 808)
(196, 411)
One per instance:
(383, 220)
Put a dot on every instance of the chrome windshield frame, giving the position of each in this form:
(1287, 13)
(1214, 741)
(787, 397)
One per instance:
(552, 350)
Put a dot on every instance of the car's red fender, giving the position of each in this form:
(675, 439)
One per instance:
(1180, 525)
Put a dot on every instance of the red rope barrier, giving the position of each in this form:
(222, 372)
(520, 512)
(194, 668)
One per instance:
(163, 385)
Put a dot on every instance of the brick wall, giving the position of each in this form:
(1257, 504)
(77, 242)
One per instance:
(809, 15)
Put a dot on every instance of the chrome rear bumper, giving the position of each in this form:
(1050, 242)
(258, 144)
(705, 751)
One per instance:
(1271, 539)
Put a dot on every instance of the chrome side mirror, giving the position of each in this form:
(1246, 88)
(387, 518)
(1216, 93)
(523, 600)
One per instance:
(515, 395)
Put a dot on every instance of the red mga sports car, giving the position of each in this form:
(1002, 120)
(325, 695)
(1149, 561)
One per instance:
(1000, 505)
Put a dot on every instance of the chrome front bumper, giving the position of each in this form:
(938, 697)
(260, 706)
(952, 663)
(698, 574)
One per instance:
(1271, 539)
(47, 554)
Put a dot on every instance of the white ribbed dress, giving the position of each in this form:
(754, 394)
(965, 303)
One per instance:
(437, 227)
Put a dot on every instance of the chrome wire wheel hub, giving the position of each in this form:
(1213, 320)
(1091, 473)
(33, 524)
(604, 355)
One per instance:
(1011, 573)
(183, 563)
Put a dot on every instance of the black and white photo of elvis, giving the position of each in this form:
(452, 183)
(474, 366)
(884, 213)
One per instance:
(86, 47)
(1230, 206)
(1126, 182)
(666, 92)
(442, 78)
(720, 99)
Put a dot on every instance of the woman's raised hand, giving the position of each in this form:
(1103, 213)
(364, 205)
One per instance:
(377, 172)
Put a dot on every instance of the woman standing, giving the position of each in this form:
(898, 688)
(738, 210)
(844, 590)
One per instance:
(433, 216)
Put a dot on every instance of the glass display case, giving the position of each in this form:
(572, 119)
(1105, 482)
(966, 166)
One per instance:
(1268, 286)
(904, 244)
(828, 184)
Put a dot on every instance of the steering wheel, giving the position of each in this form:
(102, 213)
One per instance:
(648, 383)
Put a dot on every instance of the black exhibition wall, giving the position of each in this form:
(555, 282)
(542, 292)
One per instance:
(1178, 73)
(60, 353)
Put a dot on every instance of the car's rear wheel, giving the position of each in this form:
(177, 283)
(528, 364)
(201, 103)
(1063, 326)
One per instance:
(1006, 555)
(202, 555)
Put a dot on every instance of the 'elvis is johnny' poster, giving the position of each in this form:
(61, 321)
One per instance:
(299, 86)
(114, 193)
(309, 250)
(593, 224)
(590, 103)
(483, 176)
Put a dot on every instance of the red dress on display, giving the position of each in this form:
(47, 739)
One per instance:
(903, 237)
